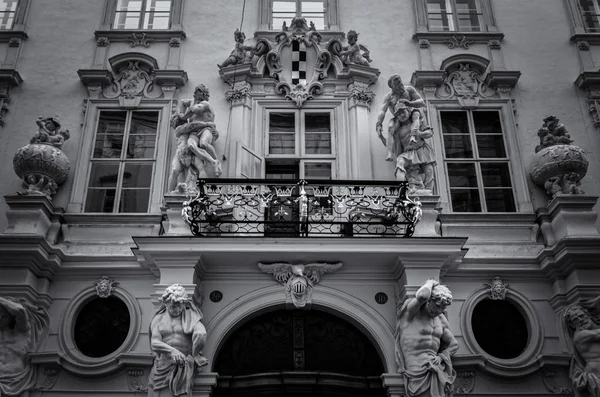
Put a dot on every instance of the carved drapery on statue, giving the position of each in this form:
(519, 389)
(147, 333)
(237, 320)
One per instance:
(42, 164)
(299, 60)
(177, 337)
(22, 328)
(557, 165)
(582, 325)
(299, 280)
(424, 342)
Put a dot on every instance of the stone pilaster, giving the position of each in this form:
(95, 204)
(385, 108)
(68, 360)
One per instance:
(361, 98)
(239, 126)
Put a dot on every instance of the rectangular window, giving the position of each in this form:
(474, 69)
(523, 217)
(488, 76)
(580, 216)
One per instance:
(143, 14)
(295, 133)
(286, 10)
(8, 10)
(455, 15)
(590, 11)
(476, 161)
(122, 164)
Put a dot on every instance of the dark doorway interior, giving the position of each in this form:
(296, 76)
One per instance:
(293, 353)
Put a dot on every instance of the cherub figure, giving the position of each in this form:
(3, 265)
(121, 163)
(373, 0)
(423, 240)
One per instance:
(49, 132)
(241, 53)
(351, 53)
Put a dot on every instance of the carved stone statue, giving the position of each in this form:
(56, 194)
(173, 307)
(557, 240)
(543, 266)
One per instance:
(22, 328)
(497, 289)
(104, 286)
(299, 280)
(176, 337)
(351, 54)
(424, 342)
(407, 131)
(42, 164)
(583, 324)
(241, 53)
(195, 131)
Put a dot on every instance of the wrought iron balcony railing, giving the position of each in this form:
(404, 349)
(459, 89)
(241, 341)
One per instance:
(305, 208)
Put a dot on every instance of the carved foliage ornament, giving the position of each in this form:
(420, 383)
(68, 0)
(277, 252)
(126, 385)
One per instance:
(466, 85)
(299, 280)
(238, 91)
(360, 91)
(132, 81)
(497, 289)
(104, 286)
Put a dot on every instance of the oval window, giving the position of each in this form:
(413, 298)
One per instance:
(102, 326)
(499, 328)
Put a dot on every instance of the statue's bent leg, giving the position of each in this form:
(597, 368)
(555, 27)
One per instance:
(176, 170)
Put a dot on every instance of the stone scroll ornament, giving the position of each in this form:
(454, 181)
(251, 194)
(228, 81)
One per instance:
(582, 324)
(42, 164)
(424, 342)
(299, 280)
(177, 337)
(22, 328)
(557, 165)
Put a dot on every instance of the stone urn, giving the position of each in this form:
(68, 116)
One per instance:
(558, 166)
(42, 164)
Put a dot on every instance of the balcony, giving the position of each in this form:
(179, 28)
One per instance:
(305, 208)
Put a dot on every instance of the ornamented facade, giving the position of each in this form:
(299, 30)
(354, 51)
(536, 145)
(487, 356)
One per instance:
(204, 221)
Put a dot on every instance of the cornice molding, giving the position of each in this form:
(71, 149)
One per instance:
(10, 77)
(470, 37)
(587, 79)
(127, 35)
(591, 38)
(7, 35)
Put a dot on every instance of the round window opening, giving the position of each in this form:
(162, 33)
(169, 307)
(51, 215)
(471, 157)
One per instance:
(101, 327)
(499, 328)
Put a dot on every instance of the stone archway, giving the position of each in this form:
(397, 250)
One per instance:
(298, 352)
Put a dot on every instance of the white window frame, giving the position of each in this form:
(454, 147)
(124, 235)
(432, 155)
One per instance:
(110, 9)
(516, 167)
(266, 14)
(86, 150)
(142, 17)
(453, 22)
(488, 23)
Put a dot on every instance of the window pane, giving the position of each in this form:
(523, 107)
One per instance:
(156, 20)
(465, 200)
(104, 174)
(495, 175)
(491, 146)
(109, 137)
(318, 143)
(134, 200)
(314, 11)
(8, 5)
(282, 144)
(487, 122)
(499, 200)
(137, 175)
(284, 6)
(462, 175)
(439, 14)
(158, 5)
(317, 170)
(129, 5)
(458, 146)
(313, 7)
(142, 135)
(8, 9)
(469, 15)
(100, 200)
(282, 122)
(454, 122)
(317, 122)
(128, 14)
(590, 13)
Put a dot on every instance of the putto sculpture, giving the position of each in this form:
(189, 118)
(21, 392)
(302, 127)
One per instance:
(557, 165)
(177, 337)
(42, 164)
(241, 53)
(582, 321)
(424, 342)
(22, 328)
(351, 54)
(299, 280)
(406, 138)
(195, 131)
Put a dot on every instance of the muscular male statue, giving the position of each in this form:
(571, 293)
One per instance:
(22, 327)
(196, 132)
(177, 337)
(424, 342)
(584, 326)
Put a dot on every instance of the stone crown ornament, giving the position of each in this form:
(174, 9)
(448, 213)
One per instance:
(41, 164)
(299, 280)
(558, 165)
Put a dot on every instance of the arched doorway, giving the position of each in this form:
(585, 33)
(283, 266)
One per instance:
(298, 352)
